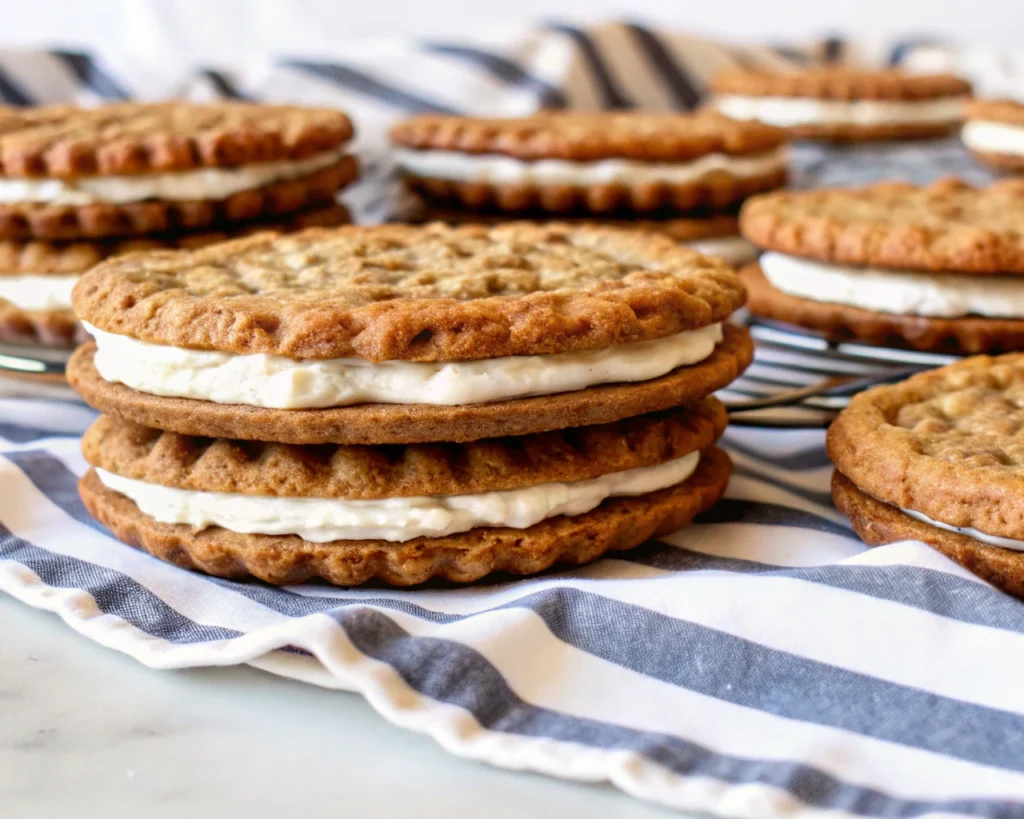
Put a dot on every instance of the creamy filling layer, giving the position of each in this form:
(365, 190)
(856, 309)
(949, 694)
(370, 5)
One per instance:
(733, 250)
(787, 112)
(30, 292)
(993, 137)
(284, 383)
(495, 169)
(990, 540)
(320, 520)
(206, 183)
(935, 295)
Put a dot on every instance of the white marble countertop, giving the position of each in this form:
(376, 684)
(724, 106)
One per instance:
(87, 732)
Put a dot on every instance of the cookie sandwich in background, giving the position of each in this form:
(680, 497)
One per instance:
(589, 163)
(78, 185)
(406, 402)
(844, 104)
(939, 458)
(994, 133)
(938, 268)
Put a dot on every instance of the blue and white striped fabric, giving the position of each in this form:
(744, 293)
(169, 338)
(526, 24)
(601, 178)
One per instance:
(760, 663)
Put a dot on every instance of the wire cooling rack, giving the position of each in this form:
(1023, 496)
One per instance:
(796, 381)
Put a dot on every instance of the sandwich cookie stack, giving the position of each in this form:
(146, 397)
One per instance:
(937, 268)
(80, 185)
(840, 104)
(994, 133)
(939, 458)
(677, 174)
(406, 402)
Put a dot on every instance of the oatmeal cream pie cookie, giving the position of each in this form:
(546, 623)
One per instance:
(994, 133)
(937, 268)
(402, 333)
(716, 235)
(590, 163)
(130, 169)
(37, 277)
(404, 514)
(940, 458)
(844, 104)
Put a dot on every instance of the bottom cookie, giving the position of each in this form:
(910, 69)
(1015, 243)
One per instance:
(45, 328)
(850, 134)
(1005, 162)
(878, 523)
(617, 524)
(840, 322)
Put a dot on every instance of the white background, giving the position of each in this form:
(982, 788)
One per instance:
(226, 31)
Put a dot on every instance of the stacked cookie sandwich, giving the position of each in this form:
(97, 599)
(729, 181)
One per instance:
(406, 402)
(936, 268)
(843, 104)
(80, 185)
(681, 174)
(938, 458)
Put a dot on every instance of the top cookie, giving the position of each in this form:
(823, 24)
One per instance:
(585, 137)
(136, 138)
(416, 293)
(948, 443)
(839, 83)
(1006, 111)
(946, 226)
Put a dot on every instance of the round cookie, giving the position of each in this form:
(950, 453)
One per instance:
(130, 169)
(935, 268)
(715, 235)
(588, 163)
(616, 524)
(994, 133)
(942, 450)
(36, 277)
(412, 293)
(843, 104)
(414, 423)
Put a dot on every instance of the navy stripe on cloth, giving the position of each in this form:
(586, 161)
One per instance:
(90, 74)
(674, 75)
(458, 675)
(504, 69)
(12, 92)
(19, 434)
(354, 80)
(222, 84)
(611, 95)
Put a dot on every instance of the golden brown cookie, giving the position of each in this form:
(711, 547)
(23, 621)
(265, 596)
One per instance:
(948, 443)
(968, 335)
(994, 133)
(414, 423)
(878, 524)
(449, 159)
(948, 226)
(414, 293)
(58, 327)
(368, 472)
(844, 104)
(617, 524)
(94, 155)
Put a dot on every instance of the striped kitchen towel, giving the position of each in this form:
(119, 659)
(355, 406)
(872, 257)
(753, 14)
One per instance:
(759, 663)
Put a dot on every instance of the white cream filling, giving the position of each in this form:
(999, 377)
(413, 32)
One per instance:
(320, 520)
(284, 383)
(788, 112)
(733, 250)
(993, 137)
(206, 183)
(496, 169)
(936, 295)
(31, 292)
(991, 540)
